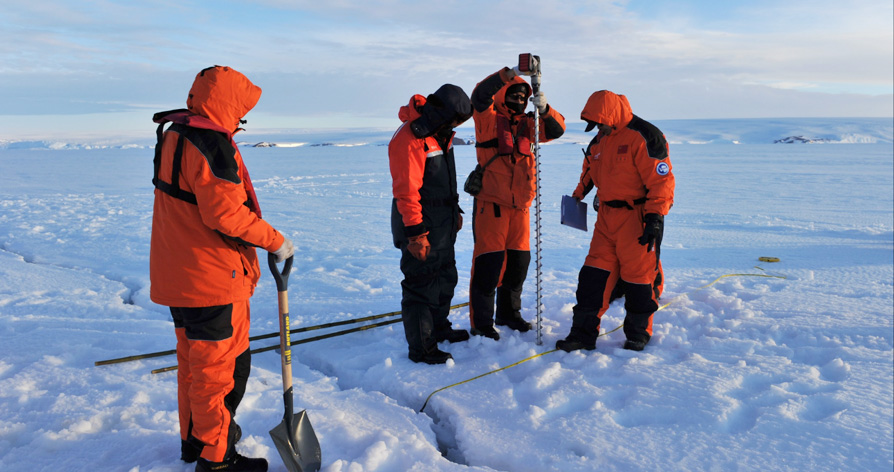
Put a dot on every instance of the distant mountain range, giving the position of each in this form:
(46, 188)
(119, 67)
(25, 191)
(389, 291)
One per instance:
(725, 131)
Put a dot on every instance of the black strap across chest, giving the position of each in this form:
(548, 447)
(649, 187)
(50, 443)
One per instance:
(216, 148)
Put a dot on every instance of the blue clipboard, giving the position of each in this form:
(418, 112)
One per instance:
(574, 213)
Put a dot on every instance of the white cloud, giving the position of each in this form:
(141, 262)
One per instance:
(364, 59)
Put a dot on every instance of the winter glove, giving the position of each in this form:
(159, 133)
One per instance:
(419, 246)
(285, 251)
(539, 101)
(652, 231)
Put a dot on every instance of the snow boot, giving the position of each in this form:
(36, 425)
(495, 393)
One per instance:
(634, 345)
(452, 335)
(237, 463)
(570, 344)
(189, 453)
(436, 356)
(486, 331)
(518, 324)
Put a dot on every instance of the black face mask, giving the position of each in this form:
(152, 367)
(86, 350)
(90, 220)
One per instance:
(517, 108)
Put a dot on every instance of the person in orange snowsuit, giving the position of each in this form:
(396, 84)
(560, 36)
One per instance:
(629, 165)
(504, 136)
(425, 217)
(206, 224)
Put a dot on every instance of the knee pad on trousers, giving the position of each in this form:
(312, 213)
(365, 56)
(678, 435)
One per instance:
(487, 270)
(639, 299)
(591, 284)
(640, 308)
(517, 263)
(591, 287)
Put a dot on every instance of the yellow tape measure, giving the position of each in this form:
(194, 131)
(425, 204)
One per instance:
(768, 259)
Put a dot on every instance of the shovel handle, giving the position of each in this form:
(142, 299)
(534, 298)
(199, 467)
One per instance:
(285, 343)
(282, 278)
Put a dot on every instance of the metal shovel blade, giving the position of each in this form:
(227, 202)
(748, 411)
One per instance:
(299, 448)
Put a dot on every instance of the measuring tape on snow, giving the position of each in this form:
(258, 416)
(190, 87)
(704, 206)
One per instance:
(675, 299)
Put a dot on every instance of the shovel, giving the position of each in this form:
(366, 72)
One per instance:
(294, 436)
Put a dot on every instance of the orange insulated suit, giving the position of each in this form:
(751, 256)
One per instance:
(501, 221)
(206, 225)
(629, 165)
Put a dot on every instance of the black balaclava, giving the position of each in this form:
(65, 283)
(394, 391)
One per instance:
(517, 108)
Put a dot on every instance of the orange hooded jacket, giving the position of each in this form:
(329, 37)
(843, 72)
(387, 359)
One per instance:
(406, 156)
(203, 254)
(629, 164)
(510, 180)
(422, 169)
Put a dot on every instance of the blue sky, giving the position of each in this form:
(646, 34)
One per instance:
(104, 66)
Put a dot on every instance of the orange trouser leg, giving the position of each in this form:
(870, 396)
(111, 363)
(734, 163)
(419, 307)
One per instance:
(615, 249)
(213, 364)
(500, 259)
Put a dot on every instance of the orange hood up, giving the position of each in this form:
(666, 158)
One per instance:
(411, 111)
(223, 95)
(500, 96)
(607, 108)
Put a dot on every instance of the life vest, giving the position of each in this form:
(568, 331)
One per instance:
(211, 141)
(504, 139)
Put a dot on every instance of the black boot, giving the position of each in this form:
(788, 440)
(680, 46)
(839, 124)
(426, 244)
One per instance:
(237, 463)
(573, 344)
(486, 331)
(435, 356)
(634, 345)
(452, 335)
(190, 453)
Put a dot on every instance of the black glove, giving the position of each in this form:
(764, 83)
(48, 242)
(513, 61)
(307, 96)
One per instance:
(653, 230)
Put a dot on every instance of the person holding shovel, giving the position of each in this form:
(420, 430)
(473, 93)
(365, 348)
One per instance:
(629, 165)
(206, 224)
(425, 217)
(501, 220)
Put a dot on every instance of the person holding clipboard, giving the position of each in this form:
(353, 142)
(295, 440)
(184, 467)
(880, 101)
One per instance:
(629, 165)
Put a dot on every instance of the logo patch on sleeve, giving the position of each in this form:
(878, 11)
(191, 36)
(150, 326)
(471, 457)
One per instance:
(662, 168)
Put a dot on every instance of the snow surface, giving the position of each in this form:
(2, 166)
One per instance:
(750, 373)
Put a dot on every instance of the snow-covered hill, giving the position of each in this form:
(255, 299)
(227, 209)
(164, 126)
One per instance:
(731, 131)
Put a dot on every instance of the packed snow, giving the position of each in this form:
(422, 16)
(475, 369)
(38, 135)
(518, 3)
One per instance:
(788, 366)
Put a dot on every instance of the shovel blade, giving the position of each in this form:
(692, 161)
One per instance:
(301, 453)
